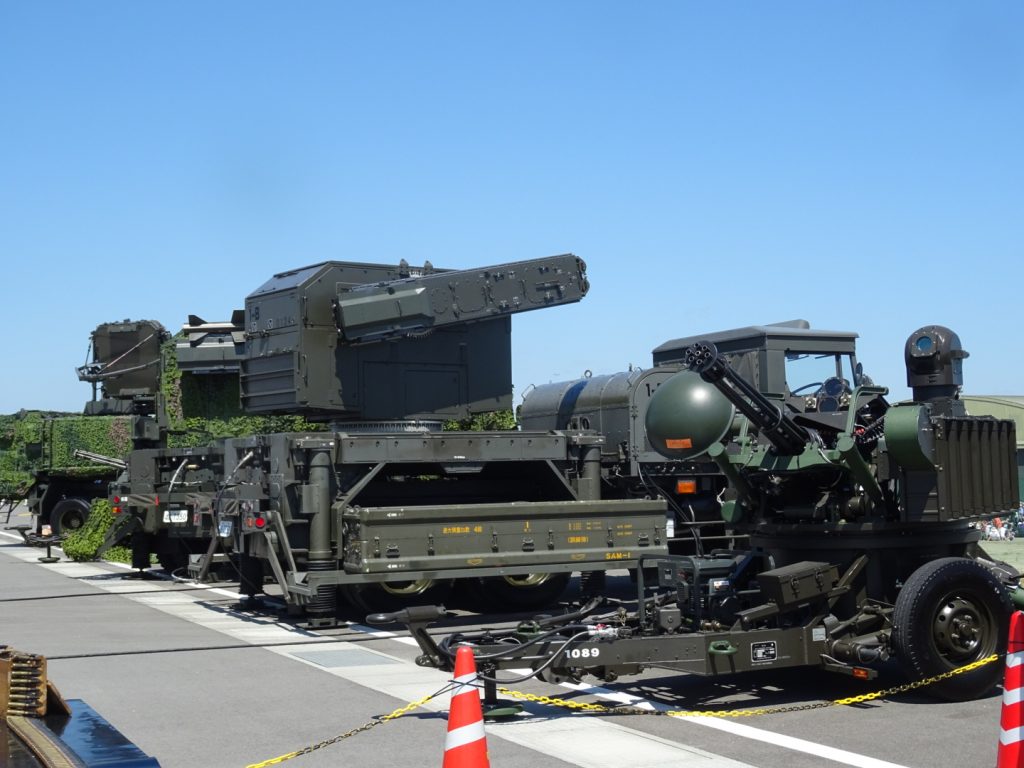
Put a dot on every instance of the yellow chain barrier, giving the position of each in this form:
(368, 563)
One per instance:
(364, 727)
(581, 706)
(601, 708)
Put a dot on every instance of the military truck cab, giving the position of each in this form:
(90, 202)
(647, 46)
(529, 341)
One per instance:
(806, 370)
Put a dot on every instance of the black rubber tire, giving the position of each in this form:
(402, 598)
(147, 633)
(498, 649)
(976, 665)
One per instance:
(250, 575)
(519, 593)
(950, 612)
(172, 561)
(68, 515)
(386, 598)
(141, 544)
(172, 556)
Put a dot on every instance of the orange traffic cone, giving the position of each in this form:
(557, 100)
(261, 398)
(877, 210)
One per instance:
(465, 746)
(1011, 722)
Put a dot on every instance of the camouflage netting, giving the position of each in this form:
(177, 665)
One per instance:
(84, 542)
(108, 435)
(201, 408)
(17, 432)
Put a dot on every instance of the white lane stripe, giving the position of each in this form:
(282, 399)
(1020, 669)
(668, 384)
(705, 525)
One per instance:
(610, 753)
(588, 743)
(467, 734)
(850, 758)
(793, 743)
(68, 568)
(381, 633)
(597, 743)
(746, 731)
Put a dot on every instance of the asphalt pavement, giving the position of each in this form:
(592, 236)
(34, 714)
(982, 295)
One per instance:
(194, 681)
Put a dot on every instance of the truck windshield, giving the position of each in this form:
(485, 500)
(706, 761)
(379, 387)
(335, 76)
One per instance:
(807, 372)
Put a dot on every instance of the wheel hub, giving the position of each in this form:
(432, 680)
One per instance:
(528, 580)
(959, 628)
(405, 588)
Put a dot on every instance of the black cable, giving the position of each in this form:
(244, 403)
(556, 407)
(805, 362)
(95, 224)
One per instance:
(693, 529)
(550, 660)
(520, 649)
(585, 610)
(101, 594)
(215, 516)
(191, 649)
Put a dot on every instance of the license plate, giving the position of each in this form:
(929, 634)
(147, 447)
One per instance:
(175, 515)
(224, 528)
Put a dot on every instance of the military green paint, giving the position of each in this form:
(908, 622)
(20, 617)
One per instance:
(909, 437)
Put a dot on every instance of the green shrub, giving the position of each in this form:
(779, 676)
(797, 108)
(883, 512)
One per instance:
(83, 543)
(484, 422)
(118, 554)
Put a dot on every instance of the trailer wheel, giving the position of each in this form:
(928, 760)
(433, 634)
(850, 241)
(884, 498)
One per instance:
(395, 595)
(172, 555)
(949, 613)
(520, 593)
(172, 561)
(250, 575)
(141, 544)
(68, 515)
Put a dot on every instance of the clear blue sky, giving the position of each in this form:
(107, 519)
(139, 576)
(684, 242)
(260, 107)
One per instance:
(859, 165)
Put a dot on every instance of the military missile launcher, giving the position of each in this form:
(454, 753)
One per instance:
(362, 342)
(383, 507)
(861, 523)
(386, 506)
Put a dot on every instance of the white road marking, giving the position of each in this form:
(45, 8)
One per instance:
(798, 745)
(746, 731)
(729, 726)
(588, 743)
(609, 745)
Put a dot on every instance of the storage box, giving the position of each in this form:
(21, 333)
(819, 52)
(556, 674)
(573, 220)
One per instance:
(798, 583)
